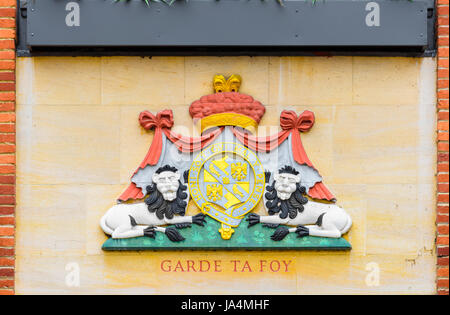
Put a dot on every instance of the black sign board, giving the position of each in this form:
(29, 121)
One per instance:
(227, 23)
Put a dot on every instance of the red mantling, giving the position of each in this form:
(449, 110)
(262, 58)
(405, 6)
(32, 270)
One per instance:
(220, 103)
(163, 122)
(293, 125)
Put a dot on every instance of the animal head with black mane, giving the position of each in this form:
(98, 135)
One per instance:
(167, 195)
(285, 195)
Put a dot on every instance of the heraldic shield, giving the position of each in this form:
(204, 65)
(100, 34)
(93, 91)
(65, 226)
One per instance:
(226, 182)
(249, 192)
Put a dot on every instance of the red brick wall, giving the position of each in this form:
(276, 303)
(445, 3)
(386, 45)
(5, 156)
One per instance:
(443, 154)
(7, 144)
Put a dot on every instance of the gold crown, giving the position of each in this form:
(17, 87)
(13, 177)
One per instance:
(221, 84)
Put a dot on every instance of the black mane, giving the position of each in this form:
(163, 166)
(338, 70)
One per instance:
(290, 207)
(288, 169)
(166, 168)
(156, 203)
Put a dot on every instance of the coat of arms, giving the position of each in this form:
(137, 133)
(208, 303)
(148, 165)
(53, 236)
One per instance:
(226, 172)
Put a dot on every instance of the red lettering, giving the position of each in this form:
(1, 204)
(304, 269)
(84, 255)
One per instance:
(201, 265)
(163, 263)
(262, 263)
(178, 266)
(217, 267)
(286, 265)
(190, 264)
(271, 265)
(235, 263)
(246, 266)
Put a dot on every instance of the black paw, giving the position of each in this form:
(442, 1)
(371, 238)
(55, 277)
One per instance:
(183, 225)
(174, 235)
(199, 219)
(280, 233)
(253, 219)
(271, 225)
(302, 231)
(150, 232)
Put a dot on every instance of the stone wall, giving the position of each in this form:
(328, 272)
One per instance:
(79, 140)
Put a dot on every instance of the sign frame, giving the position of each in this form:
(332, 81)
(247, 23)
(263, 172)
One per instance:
(219, 27)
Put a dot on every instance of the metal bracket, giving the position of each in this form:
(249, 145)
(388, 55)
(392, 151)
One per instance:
(430, 50)
(22, 49)
(23, 5)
